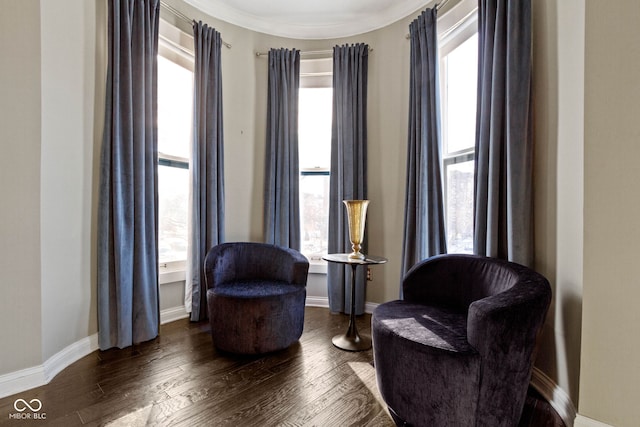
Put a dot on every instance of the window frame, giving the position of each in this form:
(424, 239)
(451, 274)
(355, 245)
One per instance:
(458, 25)
(316, 73)
(178, 47)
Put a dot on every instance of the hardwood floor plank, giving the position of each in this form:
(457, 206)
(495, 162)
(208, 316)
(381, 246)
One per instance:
(181, 379)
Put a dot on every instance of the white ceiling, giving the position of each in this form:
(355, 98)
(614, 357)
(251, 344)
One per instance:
(310, 19)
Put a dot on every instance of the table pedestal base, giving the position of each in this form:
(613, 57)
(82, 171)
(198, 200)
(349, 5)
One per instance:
(352, 343)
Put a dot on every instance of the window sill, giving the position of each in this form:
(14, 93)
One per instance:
(172, 272)
(317, 267)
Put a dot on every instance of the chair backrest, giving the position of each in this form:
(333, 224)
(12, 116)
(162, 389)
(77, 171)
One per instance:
(247, 261)
(457, 280)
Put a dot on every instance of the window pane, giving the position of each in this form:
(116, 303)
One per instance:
(459, 200)
(173, 198)
(314, 122)
(314, 136)
(314, 214)
(175, 108)
(460, 97)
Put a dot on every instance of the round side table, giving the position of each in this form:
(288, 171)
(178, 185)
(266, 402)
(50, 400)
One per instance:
(352, 340)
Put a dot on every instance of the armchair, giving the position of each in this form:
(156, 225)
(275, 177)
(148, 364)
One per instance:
(256, 296)
(459, 349)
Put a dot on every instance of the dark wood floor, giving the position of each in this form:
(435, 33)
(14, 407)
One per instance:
(180, 379)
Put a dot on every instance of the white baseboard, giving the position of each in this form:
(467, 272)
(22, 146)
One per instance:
(69, 355)
(582, 421)
(172, 314)
(555, 395)
(324, 303)
(370, 306)
(317, 302)
(26, 379)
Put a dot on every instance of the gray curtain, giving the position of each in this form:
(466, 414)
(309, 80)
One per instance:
(281, 192)
(348, 168)
(128, 311)
(424, 222)
(503, 226)
(207, 168)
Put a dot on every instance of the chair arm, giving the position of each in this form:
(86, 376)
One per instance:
(298, 268)
(508, 321)
(503, 329)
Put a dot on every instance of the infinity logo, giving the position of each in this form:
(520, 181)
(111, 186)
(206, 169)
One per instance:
(24, 405)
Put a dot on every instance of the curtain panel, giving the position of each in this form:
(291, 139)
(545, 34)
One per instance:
(348, 168)
(206, 228)
(503, 224)
(424, 221)
(128, 310)
(282, 170)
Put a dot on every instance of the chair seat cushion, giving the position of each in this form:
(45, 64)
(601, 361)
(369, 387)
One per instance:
(255, 289)
(419, 351)
(423, 325)
(256, 317)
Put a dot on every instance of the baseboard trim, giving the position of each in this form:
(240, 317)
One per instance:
(69, 355)
(172, 314)
(26, 379)
(317, 302)
(19, 381)
(324, 303)
(370, 306)
(582, 421)
(555, 395)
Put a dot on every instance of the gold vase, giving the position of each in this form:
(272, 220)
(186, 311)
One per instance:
(357, 214)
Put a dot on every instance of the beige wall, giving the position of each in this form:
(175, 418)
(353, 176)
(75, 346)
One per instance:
(50, 113)
(610, 371)
(20, 332)
(558, 170)
(69, 139)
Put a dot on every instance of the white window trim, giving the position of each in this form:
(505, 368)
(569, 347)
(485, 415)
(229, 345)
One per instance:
(317, 266)
(316, 73)
(177, 46)
(455, 27)
(170, 272)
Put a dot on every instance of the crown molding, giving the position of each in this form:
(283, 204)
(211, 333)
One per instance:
(314, 27)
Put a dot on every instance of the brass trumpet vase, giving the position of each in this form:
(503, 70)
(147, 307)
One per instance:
(357, 215)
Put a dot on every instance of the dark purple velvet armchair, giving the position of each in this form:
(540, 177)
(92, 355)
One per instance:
(459, 349)
(256, 296)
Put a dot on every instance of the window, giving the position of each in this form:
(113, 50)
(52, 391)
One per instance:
(458, 80)
(175, 118)
(314, 139)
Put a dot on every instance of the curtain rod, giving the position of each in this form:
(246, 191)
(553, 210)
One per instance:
(175, 12)
(308, 52)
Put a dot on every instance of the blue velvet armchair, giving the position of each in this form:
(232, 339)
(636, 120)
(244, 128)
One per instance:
(459, 349)
(256, 296)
